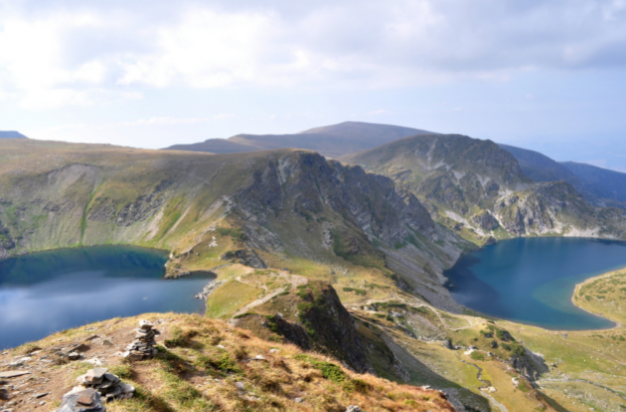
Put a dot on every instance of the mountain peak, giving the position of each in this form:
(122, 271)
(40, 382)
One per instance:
(11, 134)
(332, 141)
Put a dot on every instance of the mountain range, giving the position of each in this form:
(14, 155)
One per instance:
(482, 190)
(331, 141)
(343, 256)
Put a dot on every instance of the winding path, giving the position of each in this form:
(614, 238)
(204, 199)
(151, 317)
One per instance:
(479, 376)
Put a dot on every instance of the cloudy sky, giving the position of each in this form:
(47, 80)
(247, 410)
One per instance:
(543, 74)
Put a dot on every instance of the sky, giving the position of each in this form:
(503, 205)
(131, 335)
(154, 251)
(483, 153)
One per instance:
(548, 75)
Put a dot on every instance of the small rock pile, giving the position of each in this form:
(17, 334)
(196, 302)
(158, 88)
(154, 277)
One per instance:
(143, 345)
(94, 385)
(107, 384)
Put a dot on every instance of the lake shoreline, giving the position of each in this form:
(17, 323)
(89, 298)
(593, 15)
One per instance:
(593, 279)
(471, 289)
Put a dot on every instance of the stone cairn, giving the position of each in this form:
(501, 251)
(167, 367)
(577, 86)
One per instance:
(143, 345)
(94, 385)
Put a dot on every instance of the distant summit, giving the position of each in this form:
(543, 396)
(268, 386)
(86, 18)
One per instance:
(11, 134)
(602, 187)
(332, 141)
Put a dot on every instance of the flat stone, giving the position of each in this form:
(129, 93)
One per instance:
(41, 395)
(259, 357)
(126, 388)
(87, 400)
(73, 355)
(111, 377)
(13, 374)
(83, 347)
(145, 324)
(97, 372)
(298, 400)
(239, 385)
(116, 391)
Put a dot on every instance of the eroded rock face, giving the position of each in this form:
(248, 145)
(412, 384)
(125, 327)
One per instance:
(306, 183)
(6, 241)
(143, 207)
(485, 220)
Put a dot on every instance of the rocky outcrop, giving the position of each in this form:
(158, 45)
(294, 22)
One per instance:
(485, 220)
(324, 325)
(246, 257)
(308, 184)
(142, 207)
(528, 363)
(6, 241)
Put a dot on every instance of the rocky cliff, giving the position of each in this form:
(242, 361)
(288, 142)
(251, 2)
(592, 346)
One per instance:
(479, 190)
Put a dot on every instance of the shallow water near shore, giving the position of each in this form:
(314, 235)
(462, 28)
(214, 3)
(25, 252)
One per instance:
(532, 280)
(46, 292)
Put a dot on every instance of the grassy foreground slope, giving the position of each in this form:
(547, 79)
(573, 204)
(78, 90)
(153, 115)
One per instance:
(207, 365)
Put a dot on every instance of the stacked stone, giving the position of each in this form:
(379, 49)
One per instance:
(95, 385)
(143, 345)
(86, 400)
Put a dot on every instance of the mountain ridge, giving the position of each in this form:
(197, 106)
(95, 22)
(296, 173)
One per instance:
(331, 141)
(480, 190)
(602, 187)
(11, 134)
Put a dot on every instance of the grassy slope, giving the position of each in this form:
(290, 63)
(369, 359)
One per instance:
(191, 373)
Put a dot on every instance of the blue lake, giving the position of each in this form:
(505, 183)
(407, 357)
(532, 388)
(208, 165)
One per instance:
(532, 280)
(51, 291)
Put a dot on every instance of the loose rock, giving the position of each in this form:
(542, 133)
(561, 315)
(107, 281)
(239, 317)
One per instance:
(106, 384)
(354, 408)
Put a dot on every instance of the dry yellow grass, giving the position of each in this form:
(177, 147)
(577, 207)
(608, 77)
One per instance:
(203, 365)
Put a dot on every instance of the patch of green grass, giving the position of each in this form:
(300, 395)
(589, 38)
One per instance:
(359, 292)
(235, 233)
(219, 360)
(478, 356)
(329, 370)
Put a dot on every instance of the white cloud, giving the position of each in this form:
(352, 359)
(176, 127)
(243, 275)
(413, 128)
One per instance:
(55, 53)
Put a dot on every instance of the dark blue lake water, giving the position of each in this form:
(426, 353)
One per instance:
(532, 280)
(51, 291)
